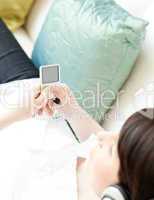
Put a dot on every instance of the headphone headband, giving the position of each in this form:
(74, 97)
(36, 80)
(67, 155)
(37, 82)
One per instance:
(115, 192)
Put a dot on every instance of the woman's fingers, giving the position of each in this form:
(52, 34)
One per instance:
(60, 91)
(39, 112)
(42, 99)
(49, 110)
(44, 107)
(36, 91)
(39, 102)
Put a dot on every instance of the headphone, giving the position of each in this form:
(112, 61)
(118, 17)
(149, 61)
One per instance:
(115, 192)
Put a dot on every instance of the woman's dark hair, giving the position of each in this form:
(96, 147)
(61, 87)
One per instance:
(136, 153)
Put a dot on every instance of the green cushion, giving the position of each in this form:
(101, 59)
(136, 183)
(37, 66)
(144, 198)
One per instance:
(96, 42)
(14, 12)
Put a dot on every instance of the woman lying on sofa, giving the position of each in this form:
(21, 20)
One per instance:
(125, 159)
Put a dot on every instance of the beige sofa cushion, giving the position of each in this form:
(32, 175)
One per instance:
(36, 17)
(24, 40)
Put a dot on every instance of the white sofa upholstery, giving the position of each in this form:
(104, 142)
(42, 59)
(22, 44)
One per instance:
(141, 80)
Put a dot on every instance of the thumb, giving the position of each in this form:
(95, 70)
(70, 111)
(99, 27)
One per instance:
(37, 91)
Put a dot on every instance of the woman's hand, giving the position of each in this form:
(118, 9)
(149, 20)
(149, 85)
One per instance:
(79, 119)
(43, 100)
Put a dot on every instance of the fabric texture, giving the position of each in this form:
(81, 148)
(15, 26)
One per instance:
(14, 12)
(96, 42)
(39, 164)
(14, 63)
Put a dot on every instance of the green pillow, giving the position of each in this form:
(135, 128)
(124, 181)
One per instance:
(96, 42)
(14, 12)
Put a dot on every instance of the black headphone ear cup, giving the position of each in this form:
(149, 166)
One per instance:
(115, 192)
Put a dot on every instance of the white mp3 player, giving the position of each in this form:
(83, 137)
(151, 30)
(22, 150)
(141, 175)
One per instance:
(48, 75)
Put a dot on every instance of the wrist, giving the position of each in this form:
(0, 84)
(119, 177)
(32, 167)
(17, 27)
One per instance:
(74, 112)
